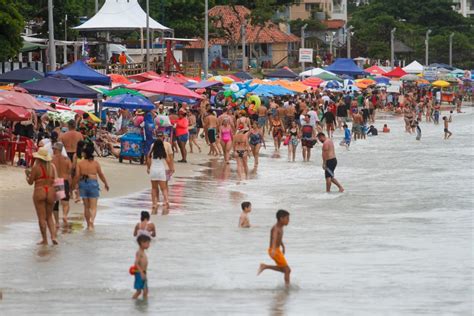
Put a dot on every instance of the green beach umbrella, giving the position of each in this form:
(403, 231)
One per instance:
(120, 91)
(326, 77)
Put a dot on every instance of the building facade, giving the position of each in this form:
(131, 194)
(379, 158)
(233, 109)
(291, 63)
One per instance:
(318, 9)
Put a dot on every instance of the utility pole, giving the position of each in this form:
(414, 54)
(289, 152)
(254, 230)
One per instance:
(348, 30)
(451, 49)
(206, 39)
(244, 60)
(51, 44)
(96, 6)
(392, 47)
(147, 35)
(65, 27)
(427, 46)
(303, 28)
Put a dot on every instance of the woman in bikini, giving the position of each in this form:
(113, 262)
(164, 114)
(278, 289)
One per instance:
(256, 140)
(295, 135)
(145, 227)
(88, 171)
(241, 147)
(225, 133)
(42, 175)
(277, 132)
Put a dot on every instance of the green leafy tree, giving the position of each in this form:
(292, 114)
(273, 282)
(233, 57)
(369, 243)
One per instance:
(373, 22)
(11, 26)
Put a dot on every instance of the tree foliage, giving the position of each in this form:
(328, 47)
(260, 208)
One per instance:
(11, 26)
(373, 22)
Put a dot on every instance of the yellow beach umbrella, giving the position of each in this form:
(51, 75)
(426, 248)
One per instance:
(94, 117)
(441, 84)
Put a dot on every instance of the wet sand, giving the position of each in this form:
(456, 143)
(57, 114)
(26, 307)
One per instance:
(398, 242)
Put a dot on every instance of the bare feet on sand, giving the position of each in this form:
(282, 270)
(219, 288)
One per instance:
(42, 242)
(261, 268)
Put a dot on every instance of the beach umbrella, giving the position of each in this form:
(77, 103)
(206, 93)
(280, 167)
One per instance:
(440, 84)
(14, 113)
(331, 84)
(119, 79)
(409, 77)
(421, 81)
(366, 82)
(84, 102)
(326, 77)
(222, 79)
(165, 86)
(119, 91)
(382, 80)
(313, 81)
(130, 101)
(23, 100)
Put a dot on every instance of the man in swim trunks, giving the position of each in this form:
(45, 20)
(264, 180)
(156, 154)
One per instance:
(210, 123)
(329, 162)
(277, 248)
(262, 117)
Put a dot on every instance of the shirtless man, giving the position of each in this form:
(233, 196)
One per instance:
(63, 168)
(277, 248)
(329, 162)
(290, 115)
(357, 125)
(262, 117)
(70, 139)
(210, 124)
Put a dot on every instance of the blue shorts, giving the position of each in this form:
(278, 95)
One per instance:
(261, 121)
(140, 284)
(183, 138)
(89, 189)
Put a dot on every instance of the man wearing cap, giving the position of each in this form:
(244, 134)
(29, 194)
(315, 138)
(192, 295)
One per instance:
(63, 168)
(70, 139)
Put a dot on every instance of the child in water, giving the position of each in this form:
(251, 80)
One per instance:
(386, 129)
(141, 264)
(244, 221)
(347, 137)
(277, 248)
(418, 129)
(145, 227)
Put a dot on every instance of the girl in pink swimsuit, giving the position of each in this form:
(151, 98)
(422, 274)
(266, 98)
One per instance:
(226, 139)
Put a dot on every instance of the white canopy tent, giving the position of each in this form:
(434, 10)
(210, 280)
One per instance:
(314, 72)
(120, 15)
(413, 68)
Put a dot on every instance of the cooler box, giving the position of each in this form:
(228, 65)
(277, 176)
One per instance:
(131, 146)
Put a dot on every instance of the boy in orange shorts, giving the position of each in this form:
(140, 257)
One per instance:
(276, 242)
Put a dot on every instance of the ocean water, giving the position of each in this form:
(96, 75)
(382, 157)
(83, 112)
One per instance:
(399, 241)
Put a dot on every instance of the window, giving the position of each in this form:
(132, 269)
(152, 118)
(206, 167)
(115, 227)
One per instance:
(311, 7)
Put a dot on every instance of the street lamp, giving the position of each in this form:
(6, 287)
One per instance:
(427, 46)
(392, 47)
(451, 49)
(349, 33)
(206, 38)
(303, 28)
(147, 35)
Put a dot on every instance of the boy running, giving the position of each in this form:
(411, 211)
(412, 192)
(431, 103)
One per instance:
(276, 242)
(141, 264)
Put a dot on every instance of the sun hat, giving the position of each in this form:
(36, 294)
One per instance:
(42, 154)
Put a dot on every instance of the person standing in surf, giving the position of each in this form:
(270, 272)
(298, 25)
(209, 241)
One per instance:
(329, 162)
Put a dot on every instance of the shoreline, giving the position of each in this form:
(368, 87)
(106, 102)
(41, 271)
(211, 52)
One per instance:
(124, 179)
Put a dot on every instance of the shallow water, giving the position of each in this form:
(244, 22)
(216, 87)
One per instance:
(399, 241)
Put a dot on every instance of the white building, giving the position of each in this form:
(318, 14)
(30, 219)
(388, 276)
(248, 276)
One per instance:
(464, 7)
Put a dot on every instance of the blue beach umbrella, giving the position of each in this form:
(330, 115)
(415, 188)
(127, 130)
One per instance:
(129, 101)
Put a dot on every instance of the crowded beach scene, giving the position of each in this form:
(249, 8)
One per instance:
(228, 157)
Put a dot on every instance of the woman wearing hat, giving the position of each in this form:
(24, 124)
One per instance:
(42, 175)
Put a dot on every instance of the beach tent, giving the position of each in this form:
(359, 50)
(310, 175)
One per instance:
(60, 86)
(375, 70)
(284, 73)
(120, 15)
(413, 68)
(271, 90)
(243, 75)
(396, 72)
(130, 101)
(345, 66)
(314, 72)
(79, 71)
(20, 75)
(165, 86)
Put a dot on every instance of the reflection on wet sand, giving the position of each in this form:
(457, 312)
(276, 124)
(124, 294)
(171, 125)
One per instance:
(278, 306)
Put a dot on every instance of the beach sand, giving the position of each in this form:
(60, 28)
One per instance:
(16, 202)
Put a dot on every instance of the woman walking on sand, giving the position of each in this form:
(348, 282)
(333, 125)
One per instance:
(156, 160)
(256, 140)
(42, 175)
(88, 171)
(241, 147)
